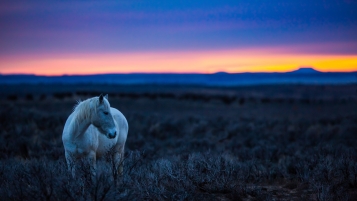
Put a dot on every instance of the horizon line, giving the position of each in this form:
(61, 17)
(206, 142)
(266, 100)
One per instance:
(177, 73)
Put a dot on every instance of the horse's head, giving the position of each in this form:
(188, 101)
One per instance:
(103, 118)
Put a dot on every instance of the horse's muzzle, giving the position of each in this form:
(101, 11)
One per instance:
(112, 135)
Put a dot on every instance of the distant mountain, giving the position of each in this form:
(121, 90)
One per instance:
(300, 76)
(305, 70)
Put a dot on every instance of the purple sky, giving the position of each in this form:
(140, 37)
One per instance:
(39, 26)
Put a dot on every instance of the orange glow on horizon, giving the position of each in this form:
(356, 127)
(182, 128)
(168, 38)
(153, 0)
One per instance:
(232, 61)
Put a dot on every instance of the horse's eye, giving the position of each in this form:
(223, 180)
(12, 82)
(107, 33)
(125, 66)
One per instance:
(106, 113)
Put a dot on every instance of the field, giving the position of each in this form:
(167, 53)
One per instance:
(283, 142)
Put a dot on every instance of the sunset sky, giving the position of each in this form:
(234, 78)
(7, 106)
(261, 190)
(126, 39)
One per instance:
(95, 37)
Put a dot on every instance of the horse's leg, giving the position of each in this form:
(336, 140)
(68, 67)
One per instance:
(91, 158)
(119, 160)
(70, 163)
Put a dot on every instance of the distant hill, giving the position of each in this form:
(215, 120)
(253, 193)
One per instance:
(300, 76)
(305, 70)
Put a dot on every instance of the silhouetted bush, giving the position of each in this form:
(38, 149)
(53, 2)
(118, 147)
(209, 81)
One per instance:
(42, 97)
(195, 97)
(227, 99)
(29, 97)
(265, 100)
(63, 95)
(241, 101)
(12, 97)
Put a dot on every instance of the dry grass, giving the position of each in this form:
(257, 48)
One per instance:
(188, 145)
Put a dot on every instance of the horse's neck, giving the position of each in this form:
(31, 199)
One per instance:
(80, 125)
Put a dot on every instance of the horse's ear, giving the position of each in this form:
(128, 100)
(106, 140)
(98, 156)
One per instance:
(101, 98)
(106, 96)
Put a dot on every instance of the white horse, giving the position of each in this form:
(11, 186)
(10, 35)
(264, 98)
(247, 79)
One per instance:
(92, 130)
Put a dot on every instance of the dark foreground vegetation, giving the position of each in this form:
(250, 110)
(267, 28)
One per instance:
(188, 143)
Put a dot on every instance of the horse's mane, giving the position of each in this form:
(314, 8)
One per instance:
(84, 109)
